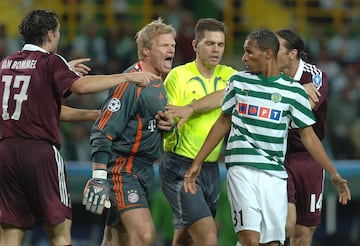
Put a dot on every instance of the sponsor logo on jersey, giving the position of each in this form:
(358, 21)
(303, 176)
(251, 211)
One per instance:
(152, 125)
(317, 80)
(259, 111)
(114, 105)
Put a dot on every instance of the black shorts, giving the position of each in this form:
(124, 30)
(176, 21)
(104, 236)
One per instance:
(131, 181)
(33, 184)
(188, 208)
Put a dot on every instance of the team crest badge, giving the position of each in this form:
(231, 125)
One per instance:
(114, 105)
(133, 196)
(317, 80)
(276, 97)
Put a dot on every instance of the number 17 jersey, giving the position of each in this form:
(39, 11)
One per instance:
(32, 85)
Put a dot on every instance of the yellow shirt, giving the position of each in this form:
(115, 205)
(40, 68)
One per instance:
(184, 84)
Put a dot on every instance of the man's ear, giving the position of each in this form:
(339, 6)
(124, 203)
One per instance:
(269, 53)
(194, 45)
(146, 52)
(293, 54)
(49, 35)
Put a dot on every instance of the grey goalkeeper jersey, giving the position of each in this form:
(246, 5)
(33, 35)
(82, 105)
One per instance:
(127, 125)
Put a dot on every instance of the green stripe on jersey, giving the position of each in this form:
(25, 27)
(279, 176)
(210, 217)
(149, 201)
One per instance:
(260, 165)
(262, 109)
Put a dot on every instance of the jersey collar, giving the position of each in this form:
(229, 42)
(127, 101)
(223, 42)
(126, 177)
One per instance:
(299, 71)
(32, 47)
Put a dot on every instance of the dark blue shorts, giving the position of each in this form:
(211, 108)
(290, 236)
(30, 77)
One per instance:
(305, 187)
(33, 184)
(188, 208)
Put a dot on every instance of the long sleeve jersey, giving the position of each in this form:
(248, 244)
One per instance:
(127, 124)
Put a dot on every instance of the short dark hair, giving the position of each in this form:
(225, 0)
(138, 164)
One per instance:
(36, 24)
(208, 24)
(266, 39)
(293, 41)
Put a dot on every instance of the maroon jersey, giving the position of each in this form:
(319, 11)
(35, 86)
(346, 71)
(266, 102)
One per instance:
(33, 83)
(307, 73)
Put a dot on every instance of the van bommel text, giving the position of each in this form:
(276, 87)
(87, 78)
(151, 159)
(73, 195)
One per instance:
(24, 64)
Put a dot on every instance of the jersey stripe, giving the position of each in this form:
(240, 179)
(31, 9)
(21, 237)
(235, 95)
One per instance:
(137, 141)
(117, 180)
(119, 91)
(63, 192)
(139, 89)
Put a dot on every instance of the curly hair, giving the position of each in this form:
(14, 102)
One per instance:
(266, 39)
(36, 25)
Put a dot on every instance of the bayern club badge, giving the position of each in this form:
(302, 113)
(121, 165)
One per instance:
(114, 105)
(133, 197)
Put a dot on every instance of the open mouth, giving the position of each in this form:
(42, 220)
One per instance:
(168, 61)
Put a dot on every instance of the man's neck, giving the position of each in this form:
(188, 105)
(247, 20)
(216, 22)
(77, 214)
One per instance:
(147, 67)
(293, 68)
(206, 71)
(271, 70)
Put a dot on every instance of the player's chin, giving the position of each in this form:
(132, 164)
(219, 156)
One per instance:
(214, 61)
(166, 69)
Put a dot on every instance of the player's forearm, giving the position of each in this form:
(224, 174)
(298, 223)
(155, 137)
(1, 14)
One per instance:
(209, 102)
(76, 114)
(96, 83)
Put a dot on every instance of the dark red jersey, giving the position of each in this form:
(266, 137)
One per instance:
(308, 73)
(33, 83)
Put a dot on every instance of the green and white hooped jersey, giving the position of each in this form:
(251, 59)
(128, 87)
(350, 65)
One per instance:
(262, 110)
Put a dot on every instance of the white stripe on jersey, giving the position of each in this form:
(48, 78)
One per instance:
(68, 64)
(262, 109)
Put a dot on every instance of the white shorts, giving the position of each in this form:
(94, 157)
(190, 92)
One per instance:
(258, 202)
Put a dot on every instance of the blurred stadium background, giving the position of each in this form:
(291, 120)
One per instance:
(104, 30)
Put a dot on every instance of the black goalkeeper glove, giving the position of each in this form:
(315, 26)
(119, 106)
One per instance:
(96, 195)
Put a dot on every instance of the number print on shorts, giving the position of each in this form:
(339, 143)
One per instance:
(315, 204)
(19, 98)
(238, 218)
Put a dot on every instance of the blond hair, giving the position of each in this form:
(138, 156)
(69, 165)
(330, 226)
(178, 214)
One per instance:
(144, 37)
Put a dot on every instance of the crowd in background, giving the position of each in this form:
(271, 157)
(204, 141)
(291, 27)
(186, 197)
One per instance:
(338, 54)
(113, 49)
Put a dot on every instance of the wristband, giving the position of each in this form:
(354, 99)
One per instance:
(99, 174)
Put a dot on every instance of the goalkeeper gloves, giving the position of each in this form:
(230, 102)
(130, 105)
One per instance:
(96, 195)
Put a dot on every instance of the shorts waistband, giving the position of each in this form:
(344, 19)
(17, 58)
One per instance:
(186, 159)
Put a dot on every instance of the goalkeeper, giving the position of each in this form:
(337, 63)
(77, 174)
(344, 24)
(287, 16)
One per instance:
(125, 142)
